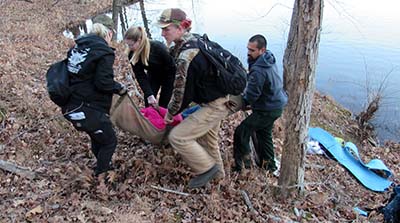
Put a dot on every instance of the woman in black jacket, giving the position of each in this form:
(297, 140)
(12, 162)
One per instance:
(90, 66)
(153, 66)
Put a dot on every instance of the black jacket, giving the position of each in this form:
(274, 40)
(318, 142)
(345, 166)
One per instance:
(203, 87)
(161, 68)
(90, 63)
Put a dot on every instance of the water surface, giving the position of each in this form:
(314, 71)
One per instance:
(359, 47)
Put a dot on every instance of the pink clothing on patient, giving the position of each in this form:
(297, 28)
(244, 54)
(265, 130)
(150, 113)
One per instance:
(157, 118)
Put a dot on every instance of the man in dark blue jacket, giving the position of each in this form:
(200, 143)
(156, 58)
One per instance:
(267, 98)
(90, 65)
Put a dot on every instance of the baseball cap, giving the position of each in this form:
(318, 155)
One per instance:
(171, 16)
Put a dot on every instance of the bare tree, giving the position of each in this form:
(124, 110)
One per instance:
(116, 6)
(299, 64)
(145, 21)
(123, 19)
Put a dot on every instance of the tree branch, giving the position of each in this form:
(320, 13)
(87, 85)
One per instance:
(170, 191)
(14, 168)
(248, 202)
(255, 213)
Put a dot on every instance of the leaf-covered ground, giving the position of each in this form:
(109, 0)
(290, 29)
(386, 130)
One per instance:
(34, 135)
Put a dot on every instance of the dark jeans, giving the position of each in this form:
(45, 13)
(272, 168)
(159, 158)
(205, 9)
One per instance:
(166, 90)
(260, 122)
(98, 126)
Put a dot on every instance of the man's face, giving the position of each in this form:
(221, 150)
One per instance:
(171, 33)
(253, 52)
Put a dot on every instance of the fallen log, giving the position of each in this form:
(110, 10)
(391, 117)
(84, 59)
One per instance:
(14, 168)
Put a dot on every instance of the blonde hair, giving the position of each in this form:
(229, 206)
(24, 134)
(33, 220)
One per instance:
(100, 30)
(137, 33)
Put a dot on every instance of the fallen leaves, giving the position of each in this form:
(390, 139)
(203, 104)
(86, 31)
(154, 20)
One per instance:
(66, 191)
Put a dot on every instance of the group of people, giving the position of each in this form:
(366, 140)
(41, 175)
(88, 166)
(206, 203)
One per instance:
(173, 78)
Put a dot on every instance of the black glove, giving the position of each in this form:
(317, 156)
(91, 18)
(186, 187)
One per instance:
(123, 90)
(246, 105)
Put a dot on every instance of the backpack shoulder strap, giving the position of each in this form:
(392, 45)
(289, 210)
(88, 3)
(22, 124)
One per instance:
(190, 44)
(206, 47)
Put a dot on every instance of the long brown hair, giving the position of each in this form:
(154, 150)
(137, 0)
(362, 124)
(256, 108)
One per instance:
(137, 33)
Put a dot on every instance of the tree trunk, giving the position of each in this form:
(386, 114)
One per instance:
(115, 10)
(123, 19)
(299, 64)
(145, 21)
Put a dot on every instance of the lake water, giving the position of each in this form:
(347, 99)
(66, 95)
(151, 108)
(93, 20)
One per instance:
(359, 48)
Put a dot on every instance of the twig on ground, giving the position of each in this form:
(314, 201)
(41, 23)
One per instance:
(255, 213)
(315, 166)
(2, 117)
(55, 2)
(170, 191)
(248, 202)
(14, 168)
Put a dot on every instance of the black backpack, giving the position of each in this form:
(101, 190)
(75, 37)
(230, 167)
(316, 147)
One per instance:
(58, 86)
(231, 75)
(391, 211)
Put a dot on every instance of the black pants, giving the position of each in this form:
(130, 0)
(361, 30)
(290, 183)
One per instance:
(98, 126)
(260, 122)
(166, 85)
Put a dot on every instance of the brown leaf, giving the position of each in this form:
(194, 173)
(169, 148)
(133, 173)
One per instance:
(318, 198)
(37, 210)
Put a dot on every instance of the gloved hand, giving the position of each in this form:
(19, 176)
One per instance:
(152, 100)
(123, 90)
(168, 119)
(246, 105)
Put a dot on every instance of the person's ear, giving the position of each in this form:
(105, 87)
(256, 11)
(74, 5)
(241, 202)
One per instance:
(109, 36)
(186, 23)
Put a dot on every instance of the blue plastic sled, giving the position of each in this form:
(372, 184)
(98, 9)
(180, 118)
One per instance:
(349, 157)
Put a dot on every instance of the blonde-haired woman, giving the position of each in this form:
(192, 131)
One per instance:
(153, 66)
(90, 64)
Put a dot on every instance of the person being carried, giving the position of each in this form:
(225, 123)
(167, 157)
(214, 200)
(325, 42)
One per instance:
(153, 66)
(196, 138)
(90, 65)
(265, 95)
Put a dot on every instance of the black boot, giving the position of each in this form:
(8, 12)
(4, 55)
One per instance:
(202, 179)
(242, 161)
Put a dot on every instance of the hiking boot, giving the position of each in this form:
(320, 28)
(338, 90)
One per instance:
(276, 173)
(221, 173)
(202, 179)
(267, 165)
(98, 171)
(240, 162)
(247, 161)
(270, 167)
